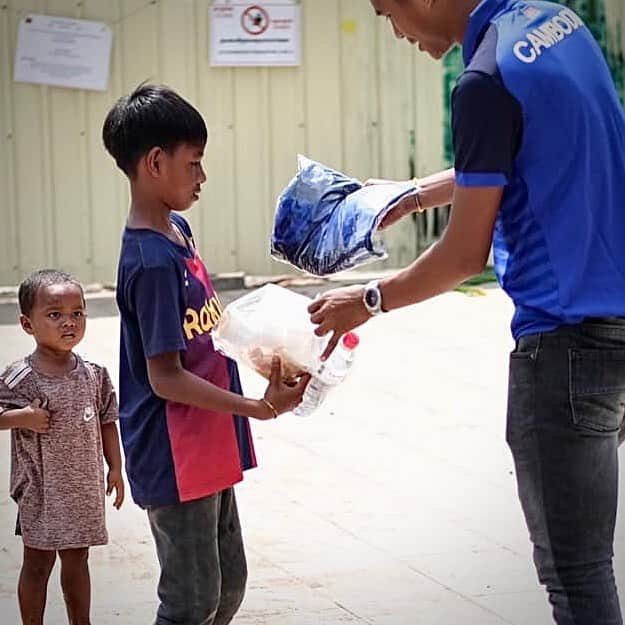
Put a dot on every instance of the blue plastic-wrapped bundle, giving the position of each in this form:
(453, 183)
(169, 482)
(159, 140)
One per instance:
(326, 222)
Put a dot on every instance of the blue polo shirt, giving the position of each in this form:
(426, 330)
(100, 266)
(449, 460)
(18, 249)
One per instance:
(536, 112)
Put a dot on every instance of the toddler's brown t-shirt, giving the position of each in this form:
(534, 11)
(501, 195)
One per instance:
(57, 478)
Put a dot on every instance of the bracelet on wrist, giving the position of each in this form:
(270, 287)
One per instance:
(271, 407)
(417, 200)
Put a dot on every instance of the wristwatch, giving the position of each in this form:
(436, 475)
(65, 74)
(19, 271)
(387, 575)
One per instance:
(372, 298)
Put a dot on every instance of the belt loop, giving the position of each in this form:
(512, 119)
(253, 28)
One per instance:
(538, 345)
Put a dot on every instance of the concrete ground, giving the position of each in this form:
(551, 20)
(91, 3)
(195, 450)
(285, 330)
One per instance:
(394, 505)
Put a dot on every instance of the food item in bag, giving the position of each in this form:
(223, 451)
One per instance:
(271, 320)
(261, 359)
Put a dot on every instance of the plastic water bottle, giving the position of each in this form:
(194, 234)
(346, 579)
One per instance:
(329, 373)
(314, 395)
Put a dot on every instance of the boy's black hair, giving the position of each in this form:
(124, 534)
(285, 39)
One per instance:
(151, 116)
(29, 288)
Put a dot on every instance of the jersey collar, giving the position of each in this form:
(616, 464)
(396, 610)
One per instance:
(478, 21)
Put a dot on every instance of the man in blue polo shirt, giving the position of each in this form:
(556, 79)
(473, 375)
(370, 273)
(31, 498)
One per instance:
(539, 141)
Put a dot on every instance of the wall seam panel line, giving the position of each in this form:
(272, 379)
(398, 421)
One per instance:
(11, 156)
(121, 77)
(304, 79)
(380, 111)
(234, 143)
(414, 115)
(86, 145)
(157, 37)
(341, 121)
(49, 189)
(270, 154)
(198, 102)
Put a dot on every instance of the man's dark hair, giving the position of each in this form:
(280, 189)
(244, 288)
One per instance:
(29, 288)
(151, 116)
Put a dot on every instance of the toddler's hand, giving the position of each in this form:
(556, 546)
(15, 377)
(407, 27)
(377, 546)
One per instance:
(36, 417)
(114, 480)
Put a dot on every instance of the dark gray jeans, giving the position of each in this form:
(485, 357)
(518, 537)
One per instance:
(203, 566)
(566, 405)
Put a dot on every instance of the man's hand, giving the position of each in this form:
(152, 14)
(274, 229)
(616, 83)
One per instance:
(36, 417)
(338, 311)
(115, 481)
(434, 190)
(282, 396)
(405, 206)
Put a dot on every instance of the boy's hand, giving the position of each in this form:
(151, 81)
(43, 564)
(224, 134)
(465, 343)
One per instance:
(114, 480)
(36, 417)
(282, 396)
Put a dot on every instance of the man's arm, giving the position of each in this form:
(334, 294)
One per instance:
(487, 126)
(437, 189)
(433, 190)
(461, 253)
(171, 381)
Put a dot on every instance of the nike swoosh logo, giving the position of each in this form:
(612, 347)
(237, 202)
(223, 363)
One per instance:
(87, 417)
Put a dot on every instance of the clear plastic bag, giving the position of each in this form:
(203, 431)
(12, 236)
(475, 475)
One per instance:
(271, 320)
(326, 222)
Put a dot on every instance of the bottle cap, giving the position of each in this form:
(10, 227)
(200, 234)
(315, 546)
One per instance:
(351, 340)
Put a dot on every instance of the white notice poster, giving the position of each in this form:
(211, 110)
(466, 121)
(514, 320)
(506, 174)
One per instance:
(261, 34)
(63, 52)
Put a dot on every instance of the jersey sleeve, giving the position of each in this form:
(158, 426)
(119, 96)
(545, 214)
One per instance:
(16, 387)
(156, 302)
(487, 129)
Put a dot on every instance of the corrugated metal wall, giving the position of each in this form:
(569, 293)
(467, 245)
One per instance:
(352, 105)
(356, 102)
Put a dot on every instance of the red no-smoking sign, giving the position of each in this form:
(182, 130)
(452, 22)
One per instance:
(255, 20)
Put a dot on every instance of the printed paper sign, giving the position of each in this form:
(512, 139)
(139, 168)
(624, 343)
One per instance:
(257, 34)
(63, 52)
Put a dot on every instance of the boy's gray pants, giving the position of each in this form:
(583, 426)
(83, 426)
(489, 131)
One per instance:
(203, 567)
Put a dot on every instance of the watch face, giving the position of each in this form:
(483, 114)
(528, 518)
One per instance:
(371, 297)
